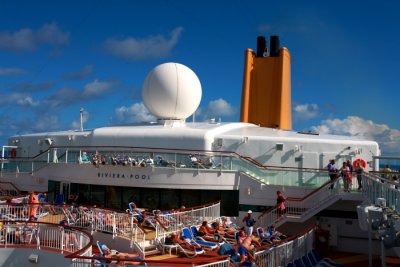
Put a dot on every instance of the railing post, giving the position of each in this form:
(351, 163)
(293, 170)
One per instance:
(132, 231)
(114, 226)
(62, 240)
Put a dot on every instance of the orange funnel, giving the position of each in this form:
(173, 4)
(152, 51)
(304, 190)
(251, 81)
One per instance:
(266, 95)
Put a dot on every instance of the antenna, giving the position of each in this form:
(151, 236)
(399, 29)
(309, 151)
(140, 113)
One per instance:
(81, 111)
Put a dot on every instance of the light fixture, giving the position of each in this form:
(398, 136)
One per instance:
(279, 146)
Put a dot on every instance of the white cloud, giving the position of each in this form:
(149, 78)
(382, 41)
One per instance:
(27, 101)
(11, 71)
(96, 88)
(135, 113)
(388, 139)
(215, 109)
(138, 49)
(220, 107)
(305, 111)
(19, 99)
(28, 39)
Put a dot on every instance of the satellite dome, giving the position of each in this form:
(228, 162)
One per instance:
(171, 91)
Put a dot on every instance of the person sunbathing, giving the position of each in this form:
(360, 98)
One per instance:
(229, 225)
(222, 231)
(275, 233)
(121, 257)
(267, 238)
(184, 242)
(245, 251)
(243, 236)
(208, 233)
(206, 230)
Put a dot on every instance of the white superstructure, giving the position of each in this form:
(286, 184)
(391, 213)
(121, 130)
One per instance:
(241, 163)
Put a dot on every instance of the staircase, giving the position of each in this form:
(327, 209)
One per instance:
(302, 209)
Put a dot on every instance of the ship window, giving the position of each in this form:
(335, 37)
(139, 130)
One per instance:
(118, 198)
(98, 195)
(308, 132)
(190, 198)
(298, 159)
(169, 199)
(113, 197)
(230, 203)
(279, 146)
(131, 194)
(219, 142)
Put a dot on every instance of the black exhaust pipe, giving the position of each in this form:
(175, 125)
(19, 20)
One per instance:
(261, 47)
(274, 42)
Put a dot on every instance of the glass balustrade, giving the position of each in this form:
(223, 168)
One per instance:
(203, 161)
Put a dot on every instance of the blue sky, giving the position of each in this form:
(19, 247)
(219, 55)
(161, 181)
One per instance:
(59, 56)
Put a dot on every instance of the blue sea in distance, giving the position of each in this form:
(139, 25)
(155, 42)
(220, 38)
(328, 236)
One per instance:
(394, 167)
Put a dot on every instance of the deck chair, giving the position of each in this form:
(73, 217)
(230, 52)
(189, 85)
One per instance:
(237, 238)
(139, 215)
(29, 233)
(103, 263)
(186, 232)
(134, 210)
(324, 261)
(101, 248)
(297, 263)
(306, 262)
(227, 249)
(312, 259)
(262, 239)
(98, 262)
(196, 236)
(71, 218)
(190, 253)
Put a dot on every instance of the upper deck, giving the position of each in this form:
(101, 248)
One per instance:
(268, 146)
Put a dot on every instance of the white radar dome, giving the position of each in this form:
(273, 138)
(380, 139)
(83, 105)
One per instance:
(171, 91)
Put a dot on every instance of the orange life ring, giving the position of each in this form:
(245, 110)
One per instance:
(360, 161)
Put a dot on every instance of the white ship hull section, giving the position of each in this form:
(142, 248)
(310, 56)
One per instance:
(128, 176)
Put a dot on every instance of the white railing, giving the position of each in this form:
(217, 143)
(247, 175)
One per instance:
(301, 208)
(173, 222)
(377, 187)
(117, 224)
(285, 253)
(79, 262)
(44, 236)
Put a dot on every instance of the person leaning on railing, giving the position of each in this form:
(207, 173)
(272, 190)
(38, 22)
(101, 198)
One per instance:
(332, 171)
(359, 171)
